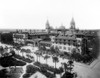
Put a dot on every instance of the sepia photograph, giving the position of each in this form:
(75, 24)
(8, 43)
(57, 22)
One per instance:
(49, 38)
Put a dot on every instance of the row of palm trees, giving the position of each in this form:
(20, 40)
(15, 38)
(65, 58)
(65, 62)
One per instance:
(55, 52)
(52, 51)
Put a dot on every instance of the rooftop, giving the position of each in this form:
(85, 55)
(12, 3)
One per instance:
(46, 42)
(65, 37)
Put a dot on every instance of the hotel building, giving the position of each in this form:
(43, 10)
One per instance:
(66, 40)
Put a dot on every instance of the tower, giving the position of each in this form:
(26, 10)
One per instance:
(47, 26)
(72, 24)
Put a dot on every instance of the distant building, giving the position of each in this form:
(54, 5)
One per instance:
(20, 38)
(67, 40)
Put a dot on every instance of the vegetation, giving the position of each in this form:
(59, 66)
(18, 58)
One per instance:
(46, 67)
(69, 75)
(55, 60)
(23, 58)
(1, 50)
(46, 57)
(85, 58)
(3, 73)
(68, 70)
(7, 38)
(10, 61)
(38, 54)
(32, 69)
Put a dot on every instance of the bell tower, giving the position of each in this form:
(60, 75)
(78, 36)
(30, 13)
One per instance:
(72, 24)
(47, 26)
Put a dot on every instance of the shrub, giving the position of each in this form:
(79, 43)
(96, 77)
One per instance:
(46, 67)
(23, 58)
(30, 69)
(9, 61)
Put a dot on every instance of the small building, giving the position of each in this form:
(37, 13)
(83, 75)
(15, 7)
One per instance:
(34, 42)
(46, 44)
(38, 75)
(20, 38)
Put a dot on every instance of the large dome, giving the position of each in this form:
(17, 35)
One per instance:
(62, 27)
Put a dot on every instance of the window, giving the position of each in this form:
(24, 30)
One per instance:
(64, 43)
(69, 48)
(60, 47)
(68, 42)
(64, 48)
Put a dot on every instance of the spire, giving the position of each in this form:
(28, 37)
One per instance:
(47, 25)
(72, 24)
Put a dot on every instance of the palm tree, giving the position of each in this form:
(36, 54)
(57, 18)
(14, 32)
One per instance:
(46, 57)
(73, 54)
(22, 51)
(28, 51)
(65, 66)
(6, 48)
(57, 50)
(18, 48)
(67, 75)
(52, 50)
(1, 50)
(38, 54)
(12, 52)
(70, 64)
(55, 60)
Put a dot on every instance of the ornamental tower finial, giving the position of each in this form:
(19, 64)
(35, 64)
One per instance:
(72, 24)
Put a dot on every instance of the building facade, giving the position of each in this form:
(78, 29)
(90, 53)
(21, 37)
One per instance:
(20, 38)
(66, 40)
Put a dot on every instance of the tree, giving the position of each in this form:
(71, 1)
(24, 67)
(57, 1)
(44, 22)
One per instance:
(7, 38)
(18, 48)
(38, 54)
(56, 50)
(12, 52)
(65, 66)
(6, 48)
(52, 50)
(70, 64)
(76, 56)
(67, 75)
(22, 51)
(6, 54)
(1, 50)
(30, 69)
(46, 57)
(10, 61)
(73, 54)
(3, 73)
(28, 51)
(55, 60)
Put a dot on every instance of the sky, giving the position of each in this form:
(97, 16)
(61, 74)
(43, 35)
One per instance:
(33, 14)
